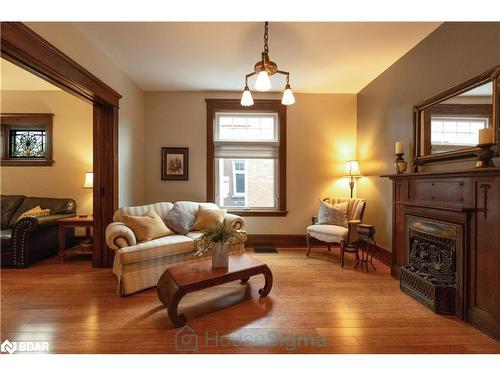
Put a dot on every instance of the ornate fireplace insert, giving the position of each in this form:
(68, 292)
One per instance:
(431, 273)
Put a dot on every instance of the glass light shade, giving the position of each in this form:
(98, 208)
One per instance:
(288, 97)
(89, 180)
(263, 83)
(246, 98)
(352, 169)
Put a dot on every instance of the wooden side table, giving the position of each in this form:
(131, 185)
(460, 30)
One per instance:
(86, 222)
(366, 233)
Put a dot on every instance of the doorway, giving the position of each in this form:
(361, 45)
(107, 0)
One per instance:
(23, 47)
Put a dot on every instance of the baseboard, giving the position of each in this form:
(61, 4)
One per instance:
(299, 241)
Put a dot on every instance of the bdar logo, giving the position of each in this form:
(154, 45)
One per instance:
(9, 347)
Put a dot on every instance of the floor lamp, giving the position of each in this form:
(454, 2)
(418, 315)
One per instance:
(352, 171)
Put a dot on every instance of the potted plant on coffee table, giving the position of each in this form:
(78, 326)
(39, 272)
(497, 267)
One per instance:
(219, 238)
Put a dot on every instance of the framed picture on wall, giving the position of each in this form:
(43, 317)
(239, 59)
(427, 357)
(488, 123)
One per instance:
(174, 163)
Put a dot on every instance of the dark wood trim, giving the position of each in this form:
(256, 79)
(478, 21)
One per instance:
(261, 105)
(298, 241)
(25, 48)
(42, 121)
(491, 75)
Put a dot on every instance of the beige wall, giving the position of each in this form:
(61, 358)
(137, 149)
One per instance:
(72, 42)
(450, 55)
(321, 136)
(72, 148)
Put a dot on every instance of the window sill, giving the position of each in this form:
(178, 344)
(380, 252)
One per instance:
(26, 163)
(258, 212)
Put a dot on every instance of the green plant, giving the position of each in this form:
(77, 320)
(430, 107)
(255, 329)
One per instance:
(222, 232)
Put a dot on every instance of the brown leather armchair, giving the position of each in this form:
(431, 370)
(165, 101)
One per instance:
(31, 238)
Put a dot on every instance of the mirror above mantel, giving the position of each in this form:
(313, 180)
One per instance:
(447, 126)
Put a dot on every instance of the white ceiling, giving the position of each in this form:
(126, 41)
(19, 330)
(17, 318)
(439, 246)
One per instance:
(340, 57)
(14, 78)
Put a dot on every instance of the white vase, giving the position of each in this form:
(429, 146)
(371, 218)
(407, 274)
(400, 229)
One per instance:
(220, 257)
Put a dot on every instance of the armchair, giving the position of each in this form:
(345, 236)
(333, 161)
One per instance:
(335, 234)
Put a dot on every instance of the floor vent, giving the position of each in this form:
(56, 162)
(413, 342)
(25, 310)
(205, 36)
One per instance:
(265, 250)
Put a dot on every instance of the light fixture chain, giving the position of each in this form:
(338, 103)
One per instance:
(266, 48)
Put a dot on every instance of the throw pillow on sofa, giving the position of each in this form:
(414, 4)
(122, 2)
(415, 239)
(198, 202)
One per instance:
(208, 217)
(179, 220)
(147, 227)
(333, 214)
(36, 211)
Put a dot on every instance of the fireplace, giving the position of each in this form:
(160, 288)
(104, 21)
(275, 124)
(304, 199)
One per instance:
(431, 273)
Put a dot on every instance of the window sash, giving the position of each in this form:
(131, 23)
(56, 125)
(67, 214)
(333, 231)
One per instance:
(218, 180)
(274, 116)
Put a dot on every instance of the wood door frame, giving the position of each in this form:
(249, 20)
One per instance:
(23, 47)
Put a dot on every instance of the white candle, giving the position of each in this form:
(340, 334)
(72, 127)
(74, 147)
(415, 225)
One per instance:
(485, 136)
(399, 148)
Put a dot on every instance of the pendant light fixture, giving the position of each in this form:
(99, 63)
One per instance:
(263, 69)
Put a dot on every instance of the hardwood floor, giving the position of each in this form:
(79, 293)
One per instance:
(314, 307)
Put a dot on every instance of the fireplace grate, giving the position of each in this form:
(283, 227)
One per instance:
(439, 298)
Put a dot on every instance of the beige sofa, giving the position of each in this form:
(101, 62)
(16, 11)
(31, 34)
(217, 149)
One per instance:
(138, 266)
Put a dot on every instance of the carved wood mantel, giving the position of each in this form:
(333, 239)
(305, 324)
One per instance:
(471, 199)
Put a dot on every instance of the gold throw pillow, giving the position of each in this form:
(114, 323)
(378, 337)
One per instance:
(36, 211)
(207, 218)
(147, 227)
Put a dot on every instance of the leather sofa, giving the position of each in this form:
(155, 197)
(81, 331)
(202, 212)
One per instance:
(31, 238)
(138, 266)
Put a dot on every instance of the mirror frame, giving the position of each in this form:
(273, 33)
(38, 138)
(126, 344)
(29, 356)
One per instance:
(491, 75)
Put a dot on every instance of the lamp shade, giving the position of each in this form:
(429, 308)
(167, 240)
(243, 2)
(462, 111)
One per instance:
(351, 169)
(246, 98)
(89, 180)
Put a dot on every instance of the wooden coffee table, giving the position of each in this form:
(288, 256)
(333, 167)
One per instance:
(177, 281)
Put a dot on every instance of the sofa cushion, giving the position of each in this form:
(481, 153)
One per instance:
(161, 208)
(192, 207)
(147, 227)
(334, 214)
(56, 206)
(10, 203)
(158, 248)
(328, 233)
(207, 218)
(180, 220)
(36, 211)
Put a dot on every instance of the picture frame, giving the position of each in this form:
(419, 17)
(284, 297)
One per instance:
(175, 163)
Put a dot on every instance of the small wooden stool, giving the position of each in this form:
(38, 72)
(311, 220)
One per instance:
(366, 233)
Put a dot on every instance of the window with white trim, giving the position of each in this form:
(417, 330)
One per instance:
(246, 154)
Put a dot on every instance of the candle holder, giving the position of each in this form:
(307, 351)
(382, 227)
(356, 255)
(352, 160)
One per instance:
(484, 156)
(400, 163)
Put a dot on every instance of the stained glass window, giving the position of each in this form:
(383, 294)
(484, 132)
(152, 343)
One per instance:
(27, 144)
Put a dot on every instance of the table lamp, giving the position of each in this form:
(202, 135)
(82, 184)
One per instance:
(89, 180)
(352, 171)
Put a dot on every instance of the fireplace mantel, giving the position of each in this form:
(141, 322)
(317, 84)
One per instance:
(469, 198)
